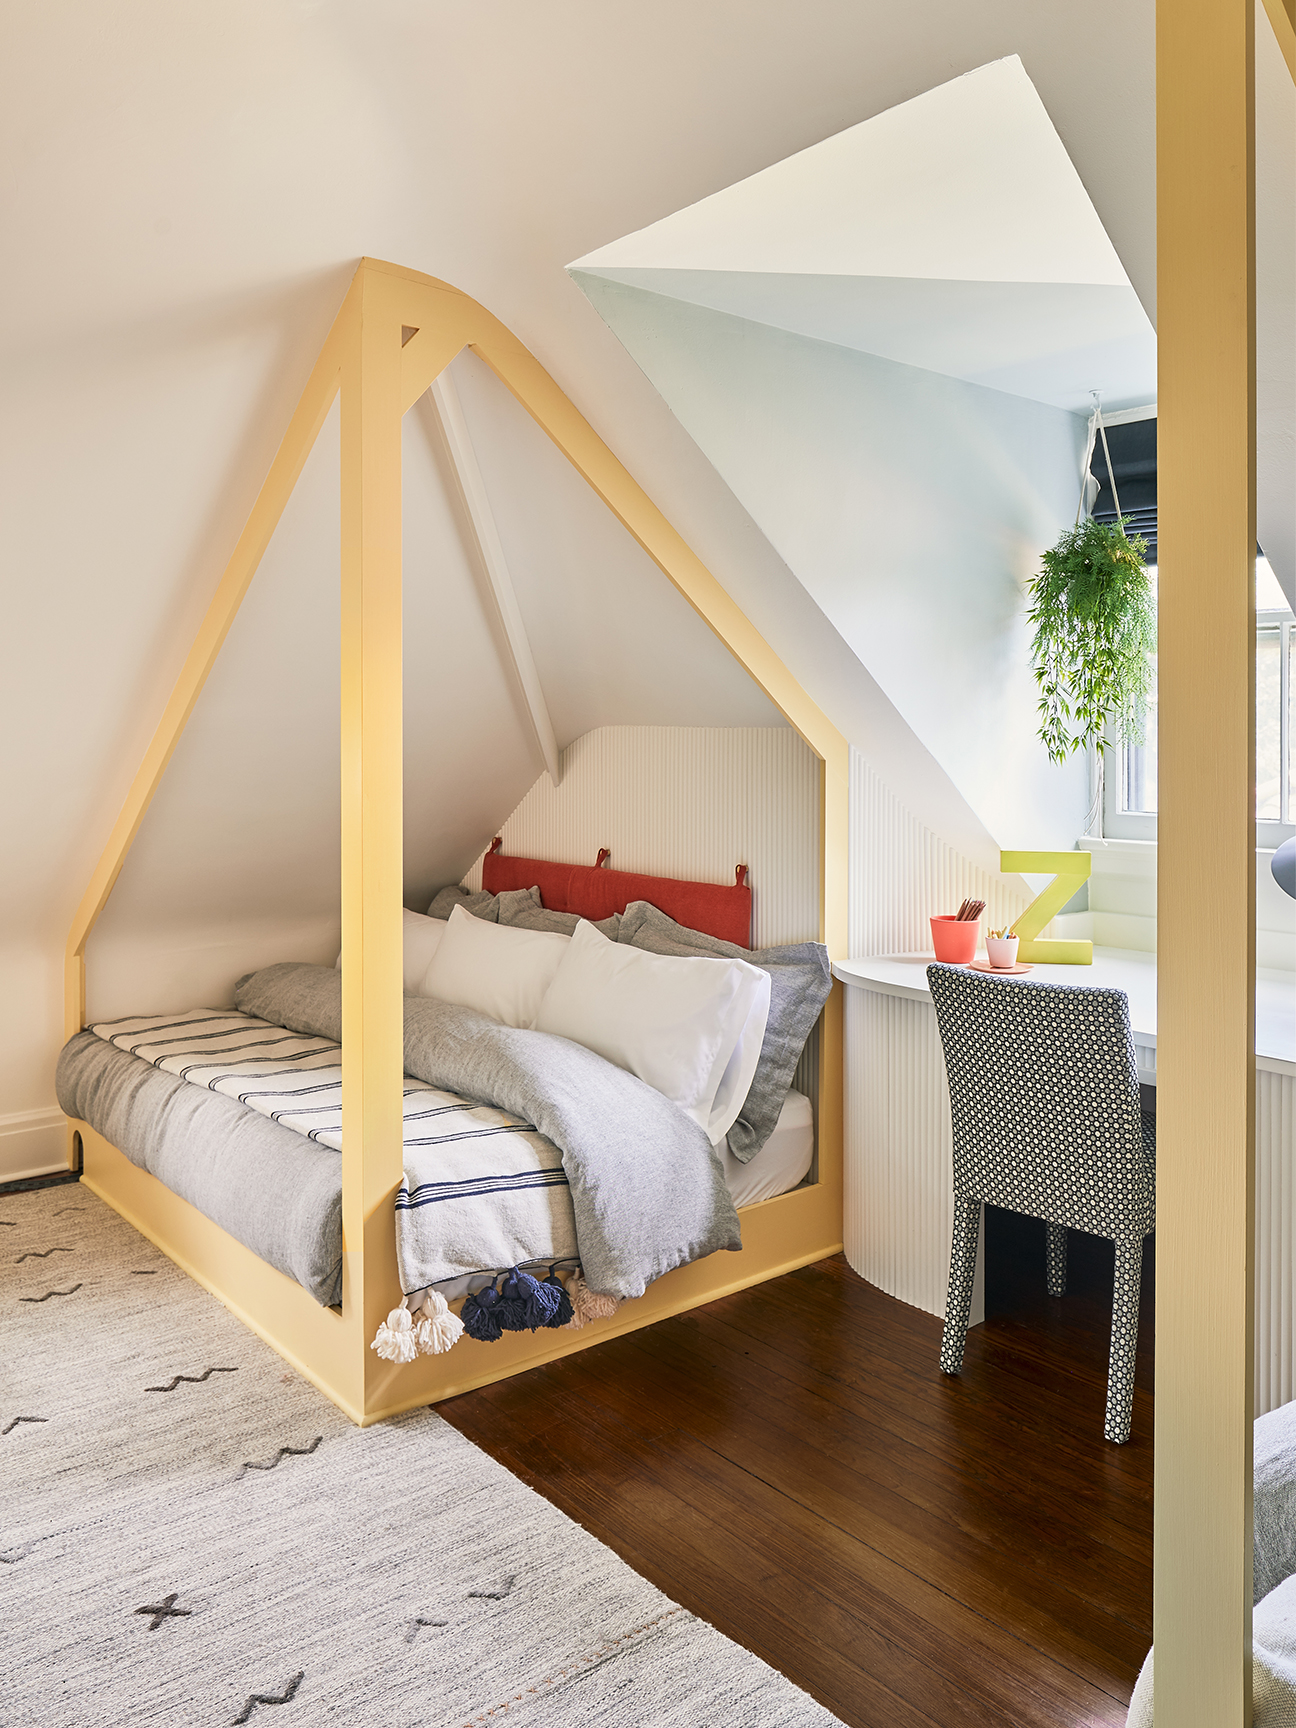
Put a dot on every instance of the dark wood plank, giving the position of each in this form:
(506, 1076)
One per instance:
(790, 1464)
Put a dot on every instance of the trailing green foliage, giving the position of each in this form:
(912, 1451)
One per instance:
(1094, 617)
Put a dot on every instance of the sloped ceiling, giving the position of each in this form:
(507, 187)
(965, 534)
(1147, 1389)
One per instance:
(186, 191)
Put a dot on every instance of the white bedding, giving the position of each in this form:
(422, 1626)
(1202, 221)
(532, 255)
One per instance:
(782, 1161)
(494, 1186)
(481, 1188)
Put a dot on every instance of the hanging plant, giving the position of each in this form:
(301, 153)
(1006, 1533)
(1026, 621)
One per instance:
(1094, 618)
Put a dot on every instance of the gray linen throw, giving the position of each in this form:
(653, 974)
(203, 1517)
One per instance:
(274, 1190)
(647, 1189)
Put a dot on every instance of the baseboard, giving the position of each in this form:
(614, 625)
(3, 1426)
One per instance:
(32, 1143)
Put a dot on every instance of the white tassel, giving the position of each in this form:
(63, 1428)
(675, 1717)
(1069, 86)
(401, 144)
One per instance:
(439, 1330)
(395, 1337)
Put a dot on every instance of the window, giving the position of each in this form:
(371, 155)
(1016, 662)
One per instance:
(1130, 789)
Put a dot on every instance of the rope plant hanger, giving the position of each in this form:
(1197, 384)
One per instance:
(1094, 618)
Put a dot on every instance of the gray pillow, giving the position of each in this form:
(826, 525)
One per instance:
(538, 917)
(1275, 1499)
(481, 904)
(800, 983)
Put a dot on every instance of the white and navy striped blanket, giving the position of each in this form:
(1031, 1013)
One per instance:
(482, 1189)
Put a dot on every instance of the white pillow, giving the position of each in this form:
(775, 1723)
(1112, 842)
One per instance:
(690, 1027)
(420, 939)
(496, 968)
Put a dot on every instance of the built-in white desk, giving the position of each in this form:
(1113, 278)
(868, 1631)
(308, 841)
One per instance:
(899, 1174)
(1126, 969)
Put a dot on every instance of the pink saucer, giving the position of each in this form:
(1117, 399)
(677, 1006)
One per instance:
(998, 971)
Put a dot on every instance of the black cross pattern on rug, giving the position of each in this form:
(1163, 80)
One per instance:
(192, 1379)
(151, 1273)
(418, 1621)
(497, 1594)
(11, 1556)
(63, 1209)
(49, 1293)
(9, 1223)
(17, 1419)
(40, 1254)
(283, 1452)
(164, 1610)
(285, 1697)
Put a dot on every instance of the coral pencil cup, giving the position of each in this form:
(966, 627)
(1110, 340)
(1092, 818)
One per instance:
(955, 939)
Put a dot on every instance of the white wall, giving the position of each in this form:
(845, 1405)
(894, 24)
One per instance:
(690, 802)
(1123, 903)
(902, 874)
(912, 507)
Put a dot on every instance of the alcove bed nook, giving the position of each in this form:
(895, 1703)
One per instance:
(393, 338)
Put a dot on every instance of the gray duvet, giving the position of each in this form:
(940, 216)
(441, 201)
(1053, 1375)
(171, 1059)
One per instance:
(274, 1190)
(648, 1192)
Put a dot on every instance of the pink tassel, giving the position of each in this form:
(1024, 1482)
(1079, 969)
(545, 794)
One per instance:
(588, 1304)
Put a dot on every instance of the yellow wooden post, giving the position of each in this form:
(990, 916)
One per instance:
(372, 831)
(1206, 868)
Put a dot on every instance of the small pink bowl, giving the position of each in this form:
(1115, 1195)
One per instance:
(955, 939)
(1001, 952)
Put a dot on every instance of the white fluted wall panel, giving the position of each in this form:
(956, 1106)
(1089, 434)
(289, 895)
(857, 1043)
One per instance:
(898, 1203)
(1275, 1252)
(687, 801)
(901, 873)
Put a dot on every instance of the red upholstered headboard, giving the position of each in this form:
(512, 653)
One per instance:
(593, 892)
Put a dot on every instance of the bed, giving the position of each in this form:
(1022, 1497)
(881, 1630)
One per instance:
(394, 334)
(238, 1110)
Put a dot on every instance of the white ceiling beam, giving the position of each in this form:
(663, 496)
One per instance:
(480, 515)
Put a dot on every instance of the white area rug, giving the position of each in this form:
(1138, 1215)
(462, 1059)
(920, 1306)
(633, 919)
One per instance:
(191, 1534)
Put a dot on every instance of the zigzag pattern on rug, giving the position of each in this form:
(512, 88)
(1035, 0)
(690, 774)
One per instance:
(282, 1453)
(285, 1697)
(192, 1379)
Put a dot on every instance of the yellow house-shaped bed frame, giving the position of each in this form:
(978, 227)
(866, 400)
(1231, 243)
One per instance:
(395, 333)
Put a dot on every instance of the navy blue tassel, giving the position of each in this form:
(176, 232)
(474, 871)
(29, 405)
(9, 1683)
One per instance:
(563, 1310)
(480, 1316)
(512, 1306)
(525, 1304)
(541, 1300)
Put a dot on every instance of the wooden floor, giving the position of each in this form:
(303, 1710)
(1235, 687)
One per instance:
(911, 1549)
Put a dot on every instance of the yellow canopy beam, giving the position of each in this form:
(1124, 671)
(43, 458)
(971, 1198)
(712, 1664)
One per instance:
(395, 333)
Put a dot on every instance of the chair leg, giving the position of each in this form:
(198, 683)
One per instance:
(1056, 1252)
(958, 1301)
(1124, 1339)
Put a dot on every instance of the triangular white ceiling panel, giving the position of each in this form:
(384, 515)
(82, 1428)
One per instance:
(951, 232)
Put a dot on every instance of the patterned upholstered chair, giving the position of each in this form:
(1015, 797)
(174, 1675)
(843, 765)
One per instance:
(1044, 1095)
